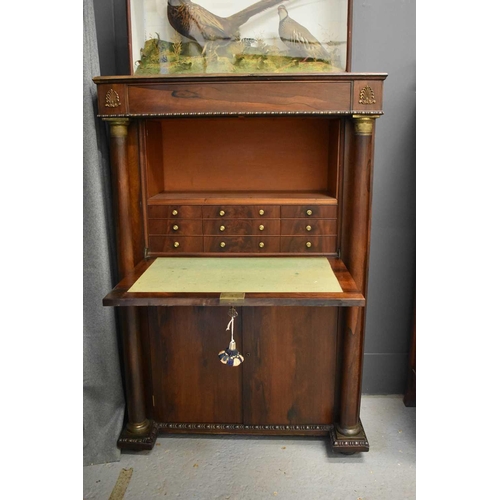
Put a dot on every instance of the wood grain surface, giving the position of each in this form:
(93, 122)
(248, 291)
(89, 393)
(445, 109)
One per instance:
(299, 345)
(190, 383)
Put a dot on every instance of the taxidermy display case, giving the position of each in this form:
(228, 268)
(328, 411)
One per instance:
(242, 209)
(238, 36)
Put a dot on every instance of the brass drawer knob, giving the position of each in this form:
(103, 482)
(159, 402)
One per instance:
(261, 212)
(175, 227)
(261, 244)
(176, 244)
(222, 228)
(174, 212)
(308, 228)
(222, 213)
(308, 244)
(261, 228)
(309, 212)
(222, 244)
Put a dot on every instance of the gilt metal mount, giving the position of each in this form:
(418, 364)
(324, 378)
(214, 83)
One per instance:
(367, 96)
(112, 99)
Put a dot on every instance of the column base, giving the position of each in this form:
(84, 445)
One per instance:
(139, 437)
(352, 443)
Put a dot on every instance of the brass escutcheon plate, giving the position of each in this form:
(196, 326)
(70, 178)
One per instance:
(232, 297)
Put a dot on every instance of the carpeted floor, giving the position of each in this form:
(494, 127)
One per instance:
(248, 468)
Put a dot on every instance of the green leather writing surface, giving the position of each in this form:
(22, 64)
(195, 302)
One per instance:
(238, 274)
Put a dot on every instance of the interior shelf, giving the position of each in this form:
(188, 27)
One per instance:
(243, 197)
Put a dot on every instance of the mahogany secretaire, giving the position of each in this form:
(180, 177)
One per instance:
(242, 160)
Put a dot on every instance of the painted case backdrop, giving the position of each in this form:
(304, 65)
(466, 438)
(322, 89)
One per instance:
(238, 36)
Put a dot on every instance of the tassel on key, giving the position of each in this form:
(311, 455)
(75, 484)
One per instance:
(231, 355)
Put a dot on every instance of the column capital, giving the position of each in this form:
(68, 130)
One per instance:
(118, 126)
(363, 124)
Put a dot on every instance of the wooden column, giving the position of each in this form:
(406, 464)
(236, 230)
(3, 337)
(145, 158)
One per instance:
(140, 433)
(349, 435)
(118, 129)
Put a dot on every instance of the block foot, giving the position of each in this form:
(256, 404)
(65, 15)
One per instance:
(351, 444)
(143, 440)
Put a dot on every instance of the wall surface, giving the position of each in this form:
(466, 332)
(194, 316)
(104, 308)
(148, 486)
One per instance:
(383, 41)
(384, 36)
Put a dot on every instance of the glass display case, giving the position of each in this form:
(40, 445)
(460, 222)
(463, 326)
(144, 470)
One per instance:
(238, 36)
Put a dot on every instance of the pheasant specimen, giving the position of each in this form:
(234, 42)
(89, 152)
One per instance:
(299, 39)
(197, 23)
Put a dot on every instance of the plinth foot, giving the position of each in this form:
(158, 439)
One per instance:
(139, 437)
(353, 443)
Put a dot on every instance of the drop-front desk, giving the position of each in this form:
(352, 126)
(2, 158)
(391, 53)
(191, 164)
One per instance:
(249, 194)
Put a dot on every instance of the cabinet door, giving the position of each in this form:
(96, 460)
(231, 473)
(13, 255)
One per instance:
(190, 384)
(290, 365)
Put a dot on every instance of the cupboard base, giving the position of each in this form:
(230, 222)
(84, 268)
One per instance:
(339, 442)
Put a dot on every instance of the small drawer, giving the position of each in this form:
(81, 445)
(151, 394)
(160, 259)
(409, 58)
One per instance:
(241, 212)
(305, 244)
(318, 227)
(186, 227)
(242, 244)
(309, 211)
(233, 227)
(173, 244)
(174, 212)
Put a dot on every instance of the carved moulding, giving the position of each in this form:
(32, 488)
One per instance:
(243, 113)
(242, 427)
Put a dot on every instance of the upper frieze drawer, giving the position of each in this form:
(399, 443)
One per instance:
(239, 98)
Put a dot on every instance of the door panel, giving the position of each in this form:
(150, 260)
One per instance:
(289, 368)
(190, 384)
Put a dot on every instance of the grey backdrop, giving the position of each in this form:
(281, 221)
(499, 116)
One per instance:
(383, 41)
(103, 398)
(384, 37)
